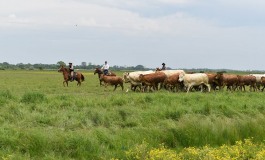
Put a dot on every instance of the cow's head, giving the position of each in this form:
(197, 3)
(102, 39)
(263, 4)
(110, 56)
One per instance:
(141, 77)
(181, 77)
(126, 77)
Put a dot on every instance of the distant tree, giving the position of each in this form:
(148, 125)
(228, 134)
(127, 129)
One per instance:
(61, 63)
(139, 67)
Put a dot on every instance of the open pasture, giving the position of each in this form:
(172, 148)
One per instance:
(41, 119)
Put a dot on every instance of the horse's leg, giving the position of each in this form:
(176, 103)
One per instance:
(65, 81)
(78, 83)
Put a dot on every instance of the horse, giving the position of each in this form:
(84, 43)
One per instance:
(79, 77)
(100, 72)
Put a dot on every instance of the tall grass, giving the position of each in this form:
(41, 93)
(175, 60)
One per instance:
(41, 119)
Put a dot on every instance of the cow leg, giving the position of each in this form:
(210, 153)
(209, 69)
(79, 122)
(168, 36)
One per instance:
(115, 86)
(188, 89)
(209, 87)
(121, 86)
(263, 88)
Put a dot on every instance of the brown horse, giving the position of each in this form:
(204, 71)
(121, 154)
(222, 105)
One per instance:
(100, 72)
(66, 75)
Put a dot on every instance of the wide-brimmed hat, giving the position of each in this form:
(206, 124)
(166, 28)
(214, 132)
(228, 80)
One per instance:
(163, 63)
(70, 63)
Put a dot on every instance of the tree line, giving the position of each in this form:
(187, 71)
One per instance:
(90, 66)
(83, 65)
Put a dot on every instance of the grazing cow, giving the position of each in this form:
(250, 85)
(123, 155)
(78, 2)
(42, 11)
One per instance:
(172, 82)
(229, 80)
(258, 79)
(195, 79)
(112, 80)
(152, 80)
(133, 78)
(246, 80)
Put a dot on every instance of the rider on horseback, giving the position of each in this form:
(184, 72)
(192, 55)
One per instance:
(105, 68)
(71, 70)
(163, 66)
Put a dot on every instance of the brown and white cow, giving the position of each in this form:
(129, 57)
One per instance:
(152, 80)
(196, 79)
(112, 80)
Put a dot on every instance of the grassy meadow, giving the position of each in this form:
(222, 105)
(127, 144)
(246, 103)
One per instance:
(41, 119)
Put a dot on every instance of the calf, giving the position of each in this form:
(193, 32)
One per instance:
(195, 79)
(112, 80)
(152, 79)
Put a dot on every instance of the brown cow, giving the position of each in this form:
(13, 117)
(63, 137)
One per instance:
(229, 80)
(213, 80)
(246, 80)
(172, 82)
(112, 80)
(152, 80)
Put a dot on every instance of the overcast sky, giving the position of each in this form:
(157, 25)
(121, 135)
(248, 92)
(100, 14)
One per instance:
(213, 34)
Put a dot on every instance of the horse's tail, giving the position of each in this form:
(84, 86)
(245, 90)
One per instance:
(82, 77)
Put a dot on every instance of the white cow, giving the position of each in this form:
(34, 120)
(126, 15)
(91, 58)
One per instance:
(258, 76)
(195, 79)
(133, 78)
(171, 72)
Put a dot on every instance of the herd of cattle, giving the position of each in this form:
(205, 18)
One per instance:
(179, 80)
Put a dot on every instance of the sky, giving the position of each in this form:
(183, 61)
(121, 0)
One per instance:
(215, 34)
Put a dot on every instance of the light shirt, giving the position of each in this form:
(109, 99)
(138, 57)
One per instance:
(105, 66)
(71, 67)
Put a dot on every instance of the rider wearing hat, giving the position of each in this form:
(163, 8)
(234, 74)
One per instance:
(71, 69)
(163, 66)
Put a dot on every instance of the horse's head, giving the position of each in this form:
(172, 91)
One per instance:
(97, 70)
(61, 69)
(158, 69)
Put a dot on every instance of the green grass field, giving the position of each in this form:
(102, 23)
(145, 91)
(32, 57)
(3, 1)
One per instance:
(41, 119)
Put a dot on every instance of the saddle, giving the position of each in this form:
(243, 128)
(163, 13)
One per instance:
(74, 76)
